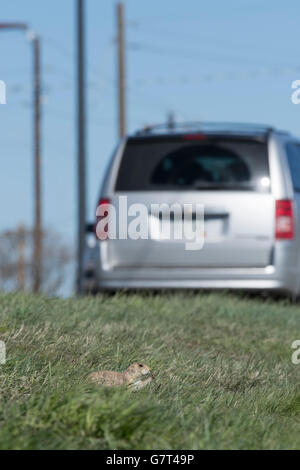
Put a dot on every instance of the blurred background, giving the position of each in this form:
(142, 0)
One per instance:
(214, 61)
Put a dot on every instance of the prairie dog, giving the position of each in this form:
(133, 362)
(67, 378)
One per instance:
(136, 376)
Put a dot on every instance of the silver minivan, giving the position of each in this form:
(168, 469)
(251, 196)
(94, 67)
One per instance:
(247, 177)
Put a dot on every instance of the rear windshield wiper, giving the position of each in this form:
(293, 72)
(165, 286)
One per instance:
(220, 186)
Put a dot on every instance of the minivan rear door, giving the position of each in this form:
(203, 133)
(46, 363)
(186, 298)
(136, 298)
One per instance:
(228, 175)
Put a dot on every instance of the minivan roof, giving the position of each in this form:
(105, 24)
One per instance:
(212, 128)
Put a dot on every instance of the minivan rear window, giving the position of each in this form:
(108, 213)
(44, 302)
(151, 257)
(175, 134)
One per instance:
(154, 164)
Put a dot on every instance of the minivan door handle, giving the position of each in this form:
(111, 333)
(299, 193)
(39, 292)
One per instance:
(215, 215)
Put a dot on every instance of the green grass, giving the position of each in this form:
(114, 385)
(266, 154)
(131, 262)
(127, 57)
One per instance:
(224, 376)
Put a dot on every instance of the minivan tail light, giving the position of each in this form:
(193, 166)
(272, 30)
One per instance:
(284, 220)
(102, 213)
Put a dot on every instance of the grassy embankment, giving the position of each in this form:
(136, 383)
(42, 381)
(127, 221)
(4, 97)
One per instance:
(224, 376)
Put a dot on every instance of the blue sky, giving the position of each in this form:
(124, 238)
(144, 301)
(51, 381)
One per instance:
(216, 60)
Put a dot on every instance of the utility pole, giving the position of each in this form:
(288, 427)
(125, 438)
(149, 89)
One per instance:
(21, 258)
(37, 259)
(37, 251)
(81, 143)
(121, 70)
(171, 120)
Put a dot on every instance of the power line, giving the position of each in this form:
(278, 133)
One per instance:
(253, 74)
(66, 53)
(184, 79)
(189, 54)
(193, 38)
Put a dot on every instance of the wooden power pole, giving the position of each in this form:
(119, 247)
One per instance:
(37, 252)
(21, 258)
(81, 141)
(121, 70)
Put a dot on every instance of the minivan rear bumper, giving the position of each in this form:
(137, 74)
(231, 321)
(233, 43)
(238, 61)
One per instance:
(257, 279)
(193, 284)
(282, 275)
